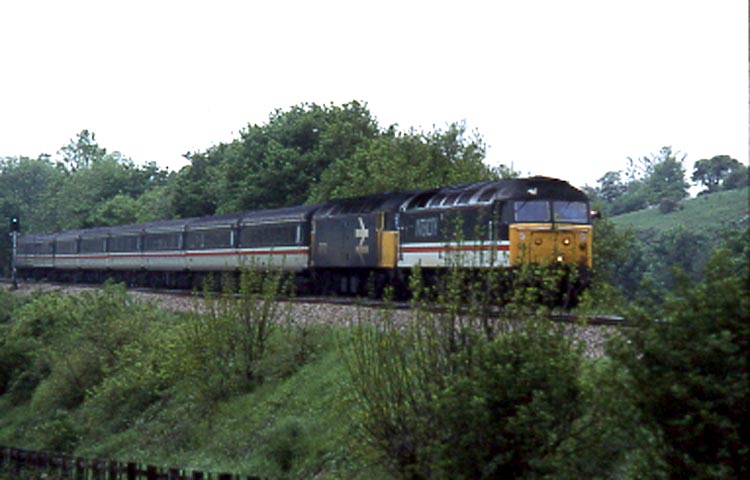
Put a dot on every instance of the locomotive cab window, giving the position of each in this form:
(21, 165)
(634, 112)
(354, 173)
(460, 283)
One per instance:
(573, 212)
(532, 211)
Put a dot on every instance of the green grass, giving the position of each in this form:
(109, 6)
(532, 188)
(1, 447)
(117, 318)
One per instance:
(711, 213)
(295, 427)
(153, 404)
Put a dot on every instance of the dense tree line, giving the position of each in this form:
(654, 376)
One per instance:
(313, 153)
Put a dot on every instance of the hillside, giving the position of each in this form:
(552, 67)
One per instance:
(713, 212)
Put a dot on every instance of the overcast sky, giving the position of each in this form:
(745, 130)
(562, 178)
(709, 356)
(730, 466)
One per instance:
(560, 88)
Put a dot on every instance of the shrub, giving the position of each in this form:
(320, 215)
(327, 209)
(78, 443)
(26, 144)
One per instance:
(286, 444)
(217, 351)
(688, 374)
(456, 393)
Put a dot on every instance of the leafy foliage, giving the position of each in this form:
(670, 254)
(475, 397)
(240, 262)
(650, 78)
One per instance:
(720, 172)
(398, 162)
(275, 164)
(218, 351)
(656, 180)
(456, 393)
(93, 364)
(311, 153)
(688, 373)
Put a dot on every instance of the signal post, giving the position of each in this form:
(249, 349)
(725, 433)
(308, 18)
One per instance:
(15, 227)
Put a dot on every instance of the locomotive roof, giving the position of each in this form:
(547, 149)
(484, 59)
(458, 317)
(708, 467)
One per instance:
(476, 193)
(489, 191)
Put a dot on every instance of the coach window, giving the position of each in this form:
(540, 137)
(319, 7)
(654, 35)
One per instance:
(162, 241)
(67, 246)
(127, 243)
(93, 245)
(209, 238)
(46, 248)
(218, 238)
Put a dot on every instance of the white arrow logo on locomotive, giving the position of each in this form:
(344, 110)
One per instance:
(362, 233)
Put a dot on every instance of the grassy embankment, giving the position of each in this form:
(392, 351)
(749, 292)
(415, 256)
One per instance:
(168, 389)
(707, 213)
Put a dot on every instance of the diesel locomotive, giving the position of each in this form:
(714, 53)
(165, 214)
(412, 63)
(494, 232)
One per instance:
(339, 246)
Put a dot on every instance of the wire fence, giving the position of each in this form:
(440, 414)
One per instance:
(20, 463)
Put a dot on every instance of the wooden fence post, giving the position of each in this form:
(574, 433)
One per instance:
(80, 468)
(132, 471)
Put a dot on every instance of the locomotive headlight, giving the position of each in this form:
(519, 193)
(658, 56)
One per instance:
(560, 259)
(566, 241)
(538, 241)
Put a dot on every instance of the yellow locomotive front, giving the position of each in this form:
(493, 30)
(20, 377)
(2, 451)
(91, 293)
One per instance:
(550, 232)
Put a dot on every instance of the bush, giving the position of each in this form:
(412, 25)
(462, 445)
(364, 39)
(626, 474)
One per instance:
(82, 339)
(508, 417)
(456, 393)
(220, 350)
(687, 374)
(286, 444)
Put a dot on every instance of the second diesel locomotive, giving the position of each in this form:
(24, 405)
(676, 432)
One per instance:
(338, 246)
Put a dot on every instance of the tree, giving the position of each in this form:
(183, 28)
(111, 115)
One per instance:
(121, 209)
(656, 180)
(27, 186)
(714, 173)
(738, 178)
(619, 258)
(195, 190)
(312, 153)
(404, 161)
(688, 373)
(611, 186)
(81, 152)
(666, 185)
(87, 187)
(275, 164)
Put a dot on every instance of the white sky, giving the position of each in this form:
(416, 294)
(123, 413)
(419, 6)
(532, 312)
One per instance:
(560, 88)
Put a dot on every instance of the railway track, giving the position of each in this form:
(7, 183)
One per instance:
(557, 316)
